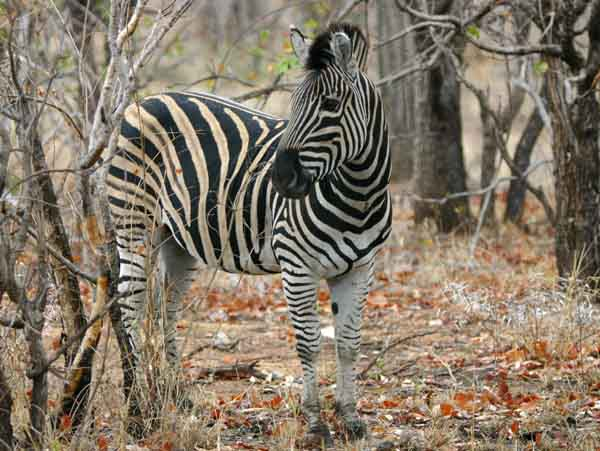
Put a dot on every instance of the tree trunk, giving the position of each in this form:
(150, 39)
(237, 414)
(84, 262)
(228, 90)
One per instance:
(577, 164)
(577, 183)
(399, 99)
(83, 25)
(506, 114)
(489, 153)
(6, 431)
(439, 162)
(517, 189)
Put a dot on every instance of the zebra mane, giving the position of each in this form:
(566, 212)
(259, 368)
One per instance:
(320, 54)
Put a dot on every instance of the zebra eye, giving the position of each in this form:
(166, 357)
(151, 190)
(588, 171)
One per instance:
(331, 104)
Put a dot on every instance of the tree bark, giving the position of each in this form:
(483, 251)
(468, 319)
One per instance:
(439, 161)
(489, 153)
(576, 129)
(83, 24)
(518, 189)
(399, 99)
(6, 401)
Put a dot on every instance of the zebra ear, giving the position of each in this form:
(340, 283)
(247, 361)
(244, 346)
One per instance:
(342, 49)
(300, 44)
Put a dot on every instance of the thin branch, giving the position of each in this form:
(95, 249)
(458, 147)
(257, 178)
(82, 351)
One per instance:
(436, 49)
(71, 340)
(482, 191)
(537, 192)
(517, 50)
(61, 110)
(460, 26)
(346, 10)
(409, 30)
(392, 345)
(539, 104)
(216, 77)
(265, 91)
(14, 215)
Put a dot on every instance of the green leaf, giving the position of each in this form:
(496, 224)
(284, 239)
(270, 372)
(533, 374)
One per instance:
(311, 24)
(263, 36)
(473, 31)
(540, 67)
(257, 51)
(65, 63)
(286, 63)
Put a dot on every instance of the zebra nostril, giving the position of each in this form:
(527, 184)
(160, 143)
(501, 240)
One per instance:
(293, 181)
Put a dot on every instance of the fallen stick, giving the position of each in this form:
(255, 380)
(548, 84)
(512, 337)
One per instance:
(393, 344)
(236, 371)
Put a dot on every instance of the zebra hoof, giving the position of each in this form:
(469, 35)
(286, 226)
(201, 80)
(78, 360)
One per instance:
(354, 429)
(317, 438)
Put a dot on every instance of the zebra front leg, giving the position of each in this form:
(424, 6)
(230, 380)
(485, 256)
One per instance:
(348, 294)
(301, 295)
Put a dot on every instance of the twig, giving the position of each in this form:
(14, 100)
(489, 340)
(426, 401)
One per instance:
(252, 26)
(392, 345)
(539, 104)
(479, 192)
(347, 9)
(537, 192)
(402, 368)
(72, 340)
(195, 351)
(214, 77)
(480, 220)
(265, 91)
(267, 96)
(461, 25)
(53, 251)
(236, 371)
(409, 30)
(61, 110)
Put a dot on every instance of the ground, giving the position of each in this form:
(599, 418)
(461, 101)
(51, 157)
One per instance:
(466, 351)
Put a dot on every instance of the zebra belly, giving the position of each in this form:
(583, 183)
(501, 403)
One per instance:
(235, 247)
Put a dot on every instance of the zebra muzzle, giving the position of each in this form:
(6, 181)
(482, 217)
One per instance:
(289, 178)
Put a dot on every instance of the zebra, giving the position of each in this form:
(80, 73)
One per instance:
(221, 185)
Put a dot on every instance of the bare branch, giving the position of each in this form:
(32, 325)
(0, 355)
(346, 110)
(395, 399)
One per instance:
(71, 340)
(437, 51)
(409, 30)
(346, 10)
(265, 91)
(392, 345)
(460, 26)
(548, 49)
(482, 191)
(502, 146)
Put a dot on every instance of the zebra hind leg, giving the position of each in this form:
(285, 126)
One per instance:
(300, 293)
(348, 294)
(132, 287)
(177, 269)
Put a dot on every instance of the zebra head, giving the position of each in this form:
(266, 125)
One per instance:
(328, 118)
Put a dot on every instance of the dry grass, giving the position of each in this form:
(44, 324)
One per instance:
(512, 363)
